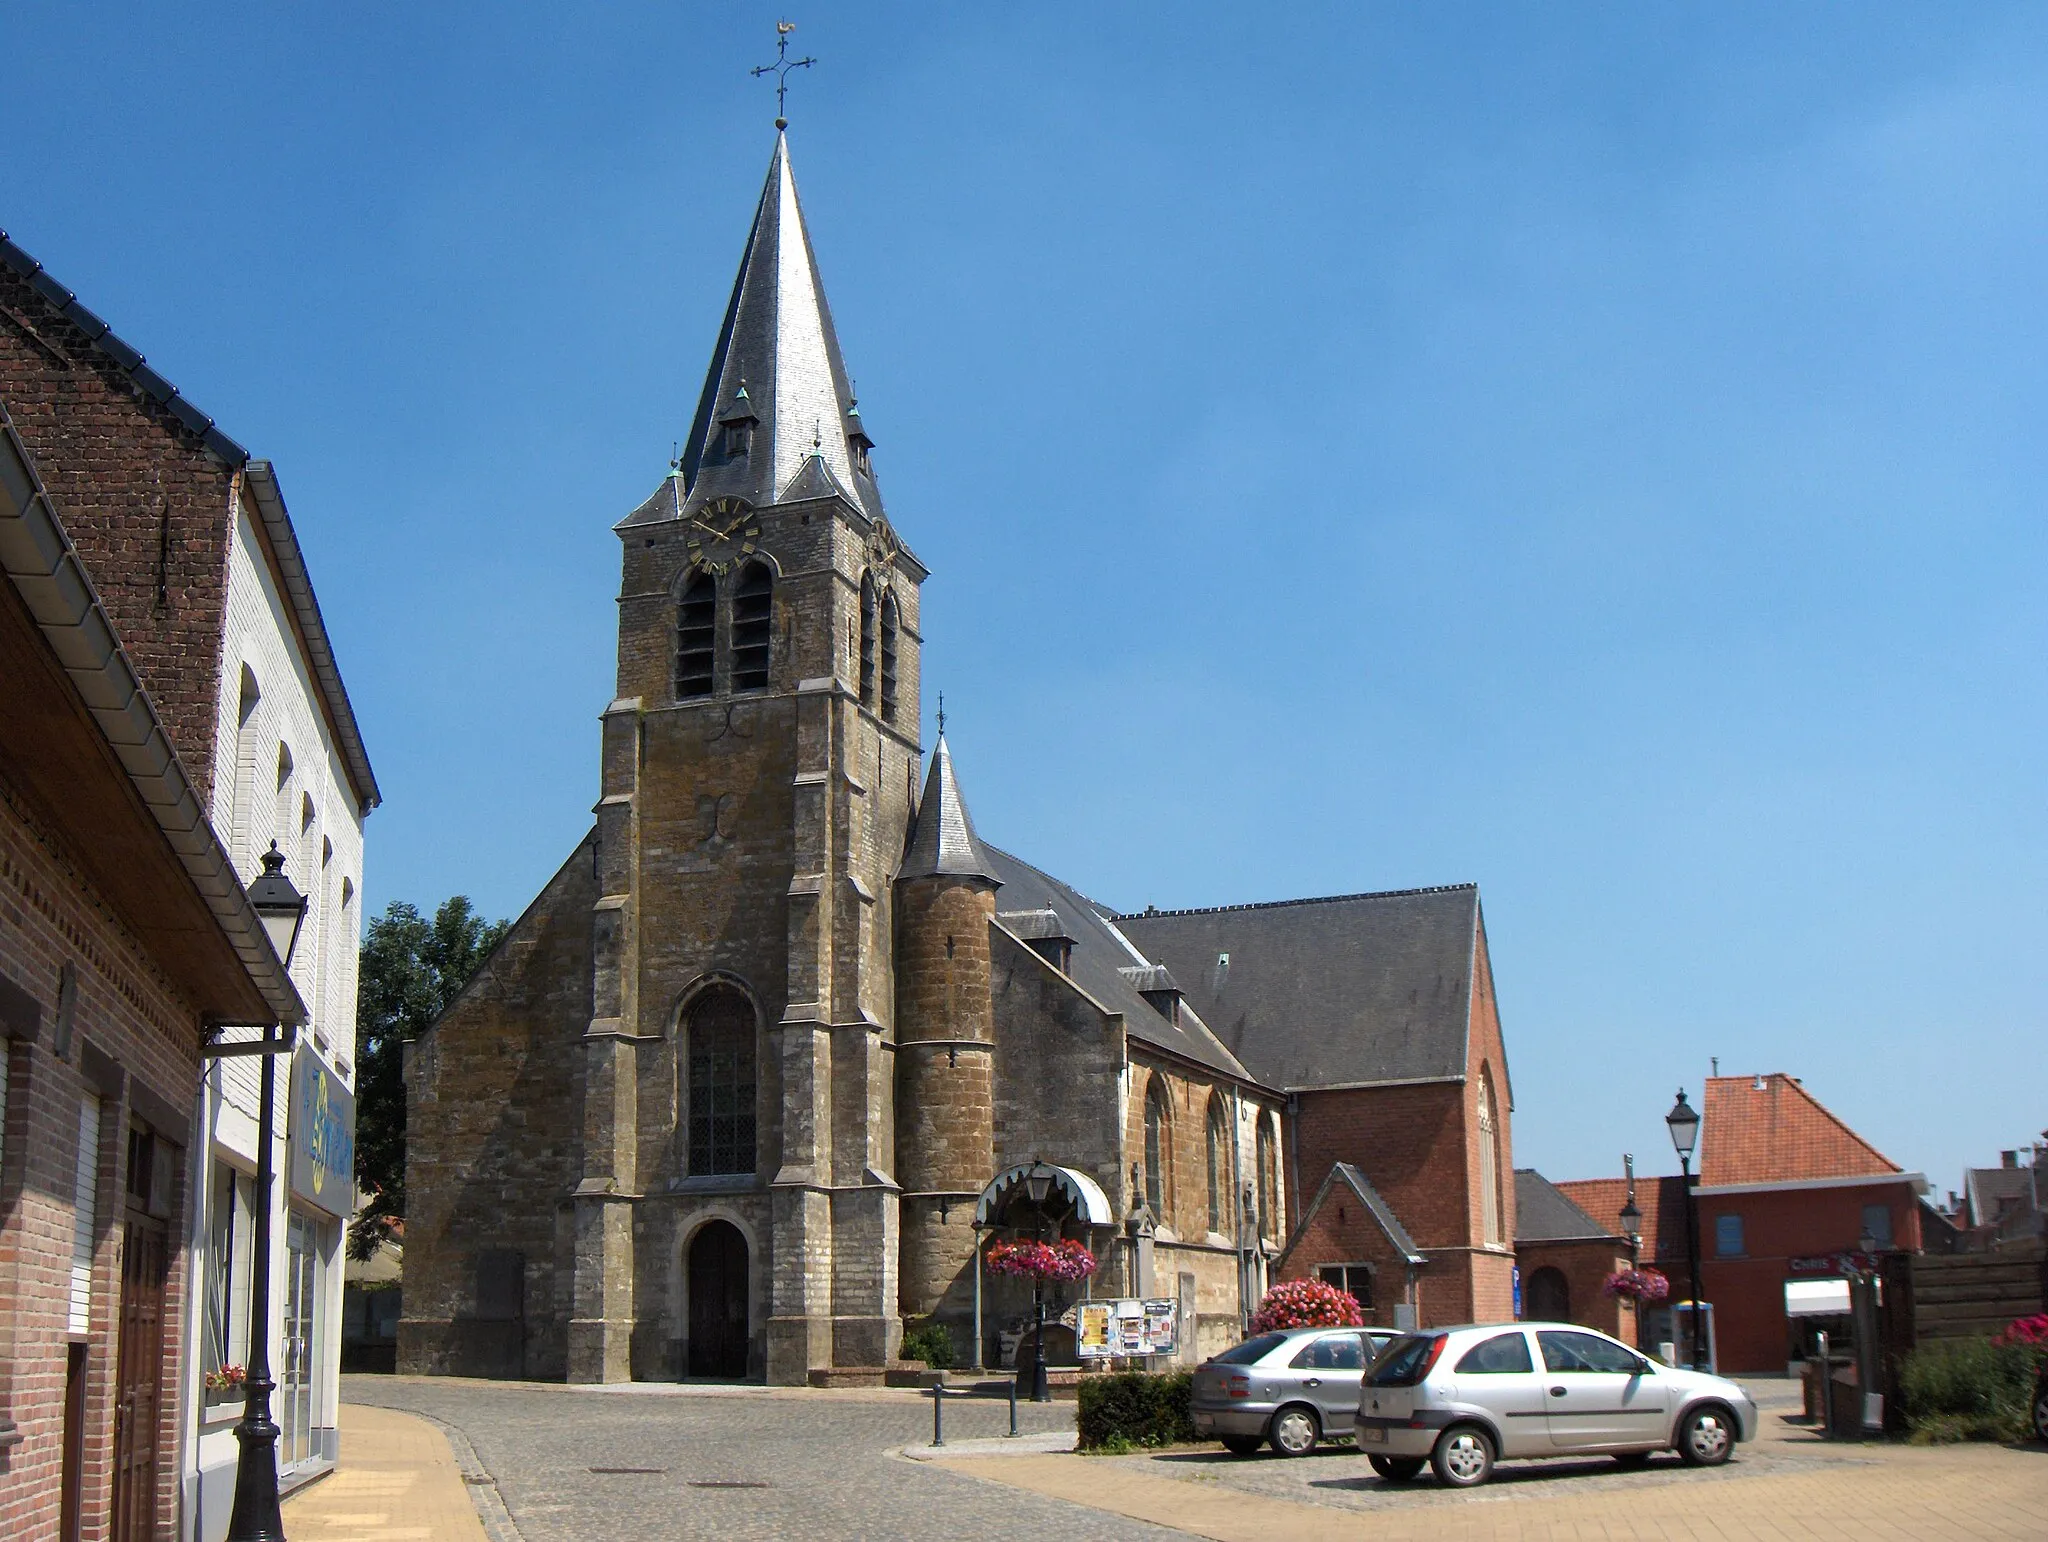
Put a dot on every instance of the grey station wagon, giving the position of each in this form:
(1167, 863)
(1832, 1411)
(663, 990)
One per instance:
(1292, 1388)
(1462, 1398)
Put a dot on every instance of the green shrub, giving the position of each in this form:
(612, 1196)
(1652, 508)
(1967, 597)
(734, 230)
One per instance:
(1967, 1389)
(930, 1342)
(1131, 1409)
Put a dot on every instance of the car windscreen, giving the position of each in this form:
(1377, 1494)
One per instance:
(1251, 1349)
(1404, 1363)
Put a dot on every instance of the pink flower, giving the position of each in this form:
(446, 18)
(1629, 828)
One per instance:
(1306, 1304)
(1062, 1260)
(2025, 1333)
(1637, 1284)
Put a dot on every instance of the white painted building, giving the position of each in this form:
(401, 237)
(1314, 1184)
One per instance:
(289, 769)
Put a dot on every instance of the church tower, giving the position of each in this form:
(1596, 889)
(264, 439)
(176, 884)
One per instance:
(738, 1207)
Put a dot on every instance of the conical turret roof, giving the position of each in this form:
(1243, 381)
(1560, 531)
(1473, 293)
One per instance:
(943, 843)
(778, 344)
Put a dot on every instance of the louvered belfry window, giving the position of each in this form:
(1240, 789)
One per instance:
(721, 1067)
(889, 658)
(696, 624)
(753, 611)
(867, 643)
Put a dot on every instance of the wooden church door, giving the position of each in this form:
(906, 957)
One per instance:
(718, 1301)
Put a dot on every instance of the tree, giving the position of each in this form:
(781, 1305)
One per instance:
(411, 969)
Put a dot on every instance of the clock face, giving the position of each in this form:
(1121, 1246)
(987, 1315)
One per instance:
(722, 532)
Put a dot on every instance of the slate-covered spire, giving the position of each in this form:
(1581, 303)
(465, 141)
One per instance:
(943, 842)
(777, 338)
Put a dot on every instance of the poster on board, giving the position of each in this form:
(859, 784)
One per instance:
(1128, 1327)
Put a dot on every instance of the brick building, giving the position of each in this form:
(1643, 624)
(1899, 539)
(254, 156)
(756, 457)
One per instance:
(753, 1077)
(205, 585)
(1786, 1194)
(1566, 1256)
(124, 942)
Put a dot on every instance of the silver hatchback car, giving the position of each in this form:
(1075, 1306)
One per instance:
(1290, 1388)
(1461, 1399)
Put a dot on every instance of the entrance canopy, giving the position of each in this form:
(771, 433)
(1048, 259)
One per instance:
(1816, 1298)
(1091, 1205)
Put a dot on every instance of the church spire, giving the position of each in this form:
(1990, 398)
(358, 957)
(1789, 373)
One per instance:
(943, 842)
(777, 370)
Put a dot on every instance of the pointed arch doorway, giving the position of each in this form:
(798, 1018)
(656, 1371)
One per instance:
(717, 1267)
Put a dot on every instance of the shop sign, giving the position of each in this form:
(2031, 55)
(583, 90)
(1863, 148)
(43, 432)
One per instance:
(323, 1135)
(1129, 1327)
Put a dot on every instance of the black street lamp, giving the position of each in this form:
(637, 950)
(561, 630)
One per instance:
(1684, 1123)
(1038, 1189)
(1631, 1217)
(255, 1517)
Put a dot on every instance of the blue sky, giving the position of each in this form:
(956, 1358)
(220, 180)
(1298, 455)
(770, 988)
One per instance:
(1590, 450)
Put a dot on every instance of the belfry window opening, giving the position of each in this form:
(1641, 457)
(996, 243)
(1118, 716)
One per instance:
(752, 624)
(696, 626)
(889, 658)
(867, 642)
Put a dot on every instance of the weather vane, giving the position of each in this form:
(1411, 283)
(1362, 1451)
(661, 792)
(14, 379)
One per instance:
(780, 69)
(942, 713)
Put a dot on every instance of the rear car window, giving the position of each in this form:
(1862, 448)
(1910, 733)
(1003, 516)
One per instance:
(1251, 1349)
(1583, 1352)
(1404, 1362)
(1333, 1352)
(1505, 1354)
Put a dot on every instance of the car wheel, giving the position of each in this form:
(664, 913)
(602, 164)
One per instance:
(2041, 1410)
(1295, 1430)
(1397, 1469)
(1463, 1457)
(1632, 1458)
(1242, 1445)
(1707, 1436)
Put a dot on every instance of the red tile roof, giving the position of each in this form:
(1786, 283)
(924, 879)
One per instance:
(1770, 1129)
(1662, 1201)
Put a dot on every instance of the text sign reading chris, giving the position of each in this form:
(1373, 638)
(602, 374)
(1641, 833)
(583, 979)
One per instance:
(323, 1135)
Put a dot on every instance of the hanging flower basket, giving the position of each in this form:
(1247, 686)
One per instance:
(1642, 1286)
(1063, 1260)
(1307, 1304)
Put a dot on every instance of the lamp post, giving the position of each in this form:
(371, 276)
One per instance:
(255, 1517)
(1038, 1188)
(1631, 1217)
(1684, 1123)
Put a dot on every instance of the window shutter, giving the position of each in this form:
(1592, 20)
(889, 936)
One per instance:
(85, 1216)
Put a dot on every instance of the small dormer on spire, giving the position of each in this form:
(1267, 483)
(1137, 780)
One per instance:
(737, 423)
(858, 443)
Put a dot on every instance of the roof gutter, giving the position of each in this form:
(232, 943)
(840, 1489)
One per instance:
(261, 478)
(1853, 1181)
(39, 559)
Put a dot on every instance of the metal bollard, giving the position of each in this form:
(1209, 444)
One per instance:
(1013, 1407)
(938, 1414)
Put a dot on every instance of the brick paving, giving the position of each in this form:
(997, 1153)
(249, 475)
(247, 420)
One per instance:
(398, 1481)
(831, 1466)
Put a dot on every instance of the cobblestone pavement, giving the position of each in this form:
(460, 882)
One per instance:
(607, 1465)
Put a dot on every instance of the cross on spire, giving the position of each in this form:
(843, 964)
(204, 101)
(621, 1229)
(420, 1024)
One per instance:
(780, 69)
(942, 712)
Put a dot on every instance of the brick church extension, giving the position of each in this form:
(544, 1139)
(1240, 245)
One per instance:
(750, 1080)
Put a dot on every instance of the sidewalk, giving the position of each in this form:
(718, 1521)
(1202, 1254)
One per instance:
(397, 1481)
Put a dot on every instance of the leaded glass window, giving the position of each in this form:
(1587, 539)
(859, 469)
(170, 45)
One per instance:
(721, 1071)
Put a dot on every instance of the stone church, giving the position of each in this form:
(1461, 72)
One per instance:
(762, 1068)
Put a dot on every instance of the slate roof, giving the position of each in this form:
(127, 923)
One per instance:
(1345, 991)
(777, 336)
(1100, 953)
(1985, 1188)
(1545, 1213)
(1381, 1211)
(943, 842)
(1770, 1129)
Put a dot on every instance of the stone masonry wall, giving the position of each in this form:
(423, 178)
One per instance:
(493, 1149)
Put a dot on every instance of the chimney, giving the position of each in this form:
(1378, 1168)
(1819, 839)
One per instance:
(2008, 1159)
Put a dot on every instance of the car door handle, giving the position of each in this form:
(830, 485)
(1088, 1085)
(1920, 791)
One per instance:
(1313, 1381)
(1557, 1391)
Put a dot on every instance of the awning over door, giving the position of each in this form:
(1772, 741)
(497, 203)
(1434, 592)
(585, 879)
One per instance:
(1816, 1298)
(1091, 1205)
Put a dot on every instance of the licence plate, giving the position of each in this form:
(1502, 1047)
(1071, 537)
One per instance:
(1373, 1435)
(1203, 1424)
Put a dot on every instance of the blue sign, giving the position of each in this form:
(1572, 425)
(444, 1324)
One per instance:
(1518, 1292)
(323, 1136)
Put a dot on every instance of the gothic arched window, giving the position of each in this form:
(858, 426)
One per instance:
(867, 643)
(888, 658)
(1219, 1165)
(696, 623)
(1158, 1149)
(753, 612)
(1489, 1165)
(1269, 1181)
(719, 1031)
